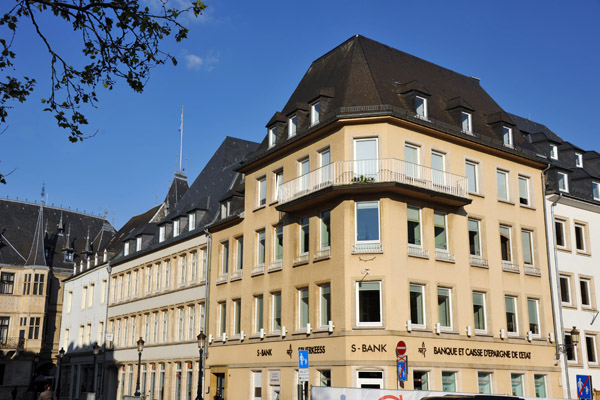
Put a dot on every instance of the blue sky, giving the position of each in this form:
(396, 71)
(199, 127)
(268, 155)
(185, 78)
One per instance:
(242, 61)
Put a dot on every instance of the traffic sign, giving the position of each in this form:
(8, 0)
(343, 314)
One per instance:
(584, 387)
(303, 365)
(402, 369)
(401, 348)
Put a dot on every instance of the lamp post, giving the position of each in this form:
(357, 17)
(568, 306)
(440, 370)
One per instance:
(201, 342)
(96, 350)
(564, 348)
(140, 344)
(61, 354)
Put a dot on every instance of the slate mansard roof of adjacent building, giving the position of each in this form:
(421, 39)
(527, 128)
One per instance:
(54, 237)
(362, 77)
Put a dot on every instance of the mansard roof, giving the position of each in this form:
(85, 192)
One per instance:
(62, 230)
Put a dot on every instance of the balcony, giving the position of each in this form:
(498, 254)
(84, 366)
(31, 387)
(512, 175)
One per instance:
(443, 255)
(367, 248)
(510, 267)
(415, 251)
(375, 175)
(480, 262)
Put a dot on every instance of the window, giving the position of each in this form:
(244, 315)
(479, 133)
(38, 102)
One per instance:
(325, 377)
(325, 304)
(7, 283)
(516, 381)
(272, 137)
(584, 288)
(4, 321)
(479, 315)
(158, 276)
(302, 308)
(258, 313)
(191, 221)
(414, 226)
(505, 243)
(559, 227)
(315, 113)
(417, 305)
(191, 322)
(183, 268)
(278, 247)
(511, 315)
(411, 155)
(563, 182)
(292, 126)
(70, 300)
(579, 160)
(325, 161)
(126, 249)
(527, 242)
(304, 236)
(161, 233)
(420, 380)
(471, 172)
(303, 170)
(421, 107)
(438, 166)
(534, 319)
(444, 307)
(571, 353)
(474, 237)
(260, 247)
(580, 237)
(465, 120)
(590, 346)
(278, 184)
(325, 231)
(222, 319)
(507, 136)
(370, 379)
(194, 266)
(34, 328)
(165, 328)
(83, 296)
(256, 385)
(448, 381)
(176, 227)
(204, 263)
(553, 152)
(540, 385)
(224, 258)
(276, 312)
(239, 256)
(596, 190)
(261, 192)
(367, 221)
(565, 289)
(90, 297)
(365, 156)
(237, 317)
(368, 308)
(524, 191)
(155, 327)
(484, 382)
(440, 231)
(38, 283)
(149, 279)
(502, 184)
(138, 244)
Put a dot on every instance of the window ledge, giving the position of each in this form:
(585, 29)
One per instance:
(236, 276)
(564, 249)
(276, 266)
(529, 207)
(367, 248)
(259, 208)
(583, 253)
(512, 203)
(301, 259)
(418, 252)
(362, 327)
(299, 332)
(258, 270)
(532, 270)
(483, 334)
(477, 194)
(444, 256)
(273, 334)
(447, 331)
(479, 262)
(419, 328)
(570, 306)
(273, 202)
(323, 254)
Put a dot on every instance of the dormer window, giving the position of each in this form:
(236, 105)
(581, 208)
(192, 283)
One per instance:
(191, 222)
(553, 151)
(161, 233)
(126, 249)
(68, 255)
(596, 190)
(176, 227)
(315, 113)
(292, 126)
(563, 182)
(421, 107)
(466, 122)
(507, 136)
(138, 244)
(225, 209)
(272, 137)
(579, 160)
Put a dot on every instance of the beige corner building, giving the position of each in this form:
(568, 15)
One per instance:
(392, 199)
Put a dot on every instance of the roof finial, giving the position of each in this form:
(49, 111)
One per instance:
(181, 140)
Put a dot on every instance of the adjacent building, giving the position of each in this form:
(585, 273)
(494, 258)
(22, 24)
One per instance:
(391, 199)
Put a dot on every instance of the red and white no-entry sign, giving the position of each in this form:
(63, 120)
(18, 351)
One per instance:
(401, 348)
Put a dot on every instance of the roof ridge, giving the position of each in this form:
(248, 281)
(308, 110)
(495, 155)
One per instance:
(46, 206)
(359, 39)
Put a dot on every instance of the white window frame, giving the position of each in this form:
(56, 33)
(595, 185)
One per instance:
(357, 316)
(579, 160)
(478, 222)
(237, 309)
(506, 183)
(596, 186)
(259, 314)
(278, 183)
(191, 221)
(176, 227)
(224, 258)
(301, 236)
(563, 230)
(469, 120)
(126, 249)
(451, 317)
(583, 229)
(356, 222)
(476, 168)
(516, 305)
(222, 327)
(329, 317)
(485, 324)
(292, 126)
(569, 291)
(528, 198)
(587, 282)
(321, 225)
(275, 242)
(272, 137)
(510, 243)
(261, 191)
(573, 349)
(537, 315)
(274, 314)
(553, 151)
(445, 230)
(531, 248)
(507, 136)
(299, 307)
(565, 180)
(239, 253)
(425, 115)
(138, 244)
(161, 233)
(315, 113)
(264, 250)
(370, 381)
(587, 350)
(415, 324)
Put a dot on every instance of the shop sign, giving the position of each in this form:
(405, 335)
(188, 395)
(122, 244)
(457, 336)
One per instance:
(275, 378)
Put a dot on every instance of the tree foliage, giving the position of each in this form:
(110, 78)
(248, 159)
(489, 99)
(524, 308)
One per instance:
(120, 39)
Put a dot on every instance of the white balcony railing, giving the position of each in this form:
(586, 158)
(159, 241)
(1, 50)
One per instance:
(415, 251)
(442, 255)
(532, 270)
(276, 265)
(373, 171)
(510, 267)
(366, 248)
(477, 261)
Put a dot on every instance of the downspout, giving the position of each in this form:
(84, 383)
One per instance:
(556, 304)
(207, 290)
(103, 383)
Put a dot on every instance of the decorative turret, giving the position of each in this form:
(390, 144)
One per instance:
(36, 253)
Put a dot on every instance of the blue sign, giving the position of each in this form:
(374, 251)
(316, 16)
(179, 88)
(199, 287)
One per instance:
(584, 387)
(402, 370)
(302, 359)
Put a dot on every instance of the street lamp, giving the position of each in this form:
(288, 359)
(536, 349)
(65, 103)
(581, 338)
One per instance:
(564, 347)
(140, 344)
(61, 354)
(201, 342)
(96, 350)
